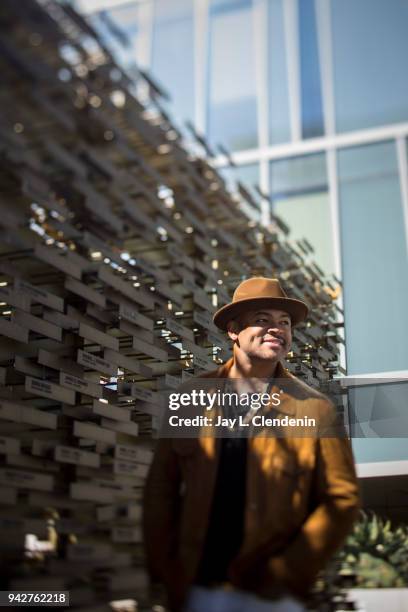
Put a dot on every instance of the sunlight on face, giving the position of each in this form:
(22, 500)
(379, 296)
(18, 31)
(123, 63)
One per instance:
(263, 334)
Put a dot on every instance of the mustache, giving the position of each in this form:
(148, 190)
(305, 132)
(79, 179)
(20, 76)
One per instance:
(276, 337)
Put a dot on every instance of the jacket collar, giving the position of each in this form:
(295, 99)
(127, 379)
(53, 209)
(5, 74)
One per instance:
(223, 370)
(281, 374)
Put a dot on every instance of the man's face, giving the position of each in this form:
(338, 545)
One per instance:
(263, 334)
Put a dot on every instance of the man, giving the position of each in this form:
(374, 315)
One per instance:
(244, 525)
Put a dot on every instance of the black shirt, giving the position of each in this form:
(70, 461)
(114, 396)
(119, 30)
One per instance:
(226, 524)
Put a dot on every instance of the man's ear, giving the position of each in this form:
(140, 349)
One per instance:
(233, 329)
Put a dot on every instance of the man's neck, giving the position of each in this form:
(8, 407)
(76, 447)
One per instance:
(243, 367)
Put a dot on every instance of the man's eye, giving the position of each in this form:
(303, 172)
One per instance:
(285, 322)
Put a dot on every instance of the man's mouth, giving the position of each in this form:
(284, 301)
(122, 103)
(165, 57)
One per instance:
(274, 341)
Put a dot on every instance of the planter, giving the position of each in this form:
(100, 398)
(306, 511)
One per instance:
(380, 600)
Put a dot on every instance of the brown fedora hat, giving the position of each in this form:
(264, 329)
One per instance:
(263, 293)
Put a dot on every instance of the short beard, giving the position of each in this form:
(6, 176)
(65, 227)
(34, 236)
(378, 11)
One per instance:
(256, 357)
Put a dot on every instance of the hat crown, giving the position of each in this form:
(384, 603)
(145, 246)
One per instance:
(256, 292)
(258, 287)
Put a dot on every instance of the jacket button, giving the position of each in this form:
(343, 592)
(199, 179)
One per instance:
(253, 506)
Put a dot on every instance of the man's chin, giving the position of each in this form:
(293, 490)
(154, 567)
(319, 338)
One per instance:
(269, 355)
(273, 351)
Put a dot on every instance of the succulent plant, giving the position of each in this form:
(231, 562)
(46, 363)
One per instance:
(376, 553)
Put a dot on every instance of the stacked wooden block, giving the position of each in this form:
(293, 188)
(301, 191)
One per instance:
(117, 245)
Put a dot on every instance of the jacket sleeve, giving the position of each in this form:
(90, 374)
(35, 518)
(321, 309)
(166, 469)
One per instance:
(161, 509)
(337, 506)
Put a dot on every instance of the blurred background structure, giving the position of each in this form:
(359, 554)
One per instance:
(118, 242)
(120, 238)
(309, 100)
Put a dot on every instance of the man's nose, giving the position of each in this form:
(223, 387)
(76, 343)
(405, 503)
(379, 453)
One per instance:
(275, 328)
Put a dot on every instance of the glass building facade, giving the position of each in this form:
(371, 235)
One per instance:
(310, 99)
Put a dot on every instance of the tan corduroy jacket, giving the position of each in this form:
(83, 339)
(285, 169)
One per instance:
(301, 502)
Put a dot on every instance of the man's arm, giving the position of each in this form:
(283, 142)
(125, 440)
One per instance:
(324, 531)
(160, 509)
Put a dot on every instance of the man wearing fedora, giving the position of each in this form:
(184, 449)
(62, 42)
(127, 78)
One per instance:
(244, 524)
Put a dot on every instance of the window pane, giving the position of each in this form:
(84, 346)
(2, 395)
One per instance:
(232, 117)
(380, 449)
(279, 122)
(173, 54)
(248, 176)
(120, 29)
(300, 198)
(378, 411)
(374, 259)
(370, 46)
(311, 95)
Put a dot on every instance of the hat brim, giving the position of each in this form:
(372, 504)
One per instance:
(296, 309)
